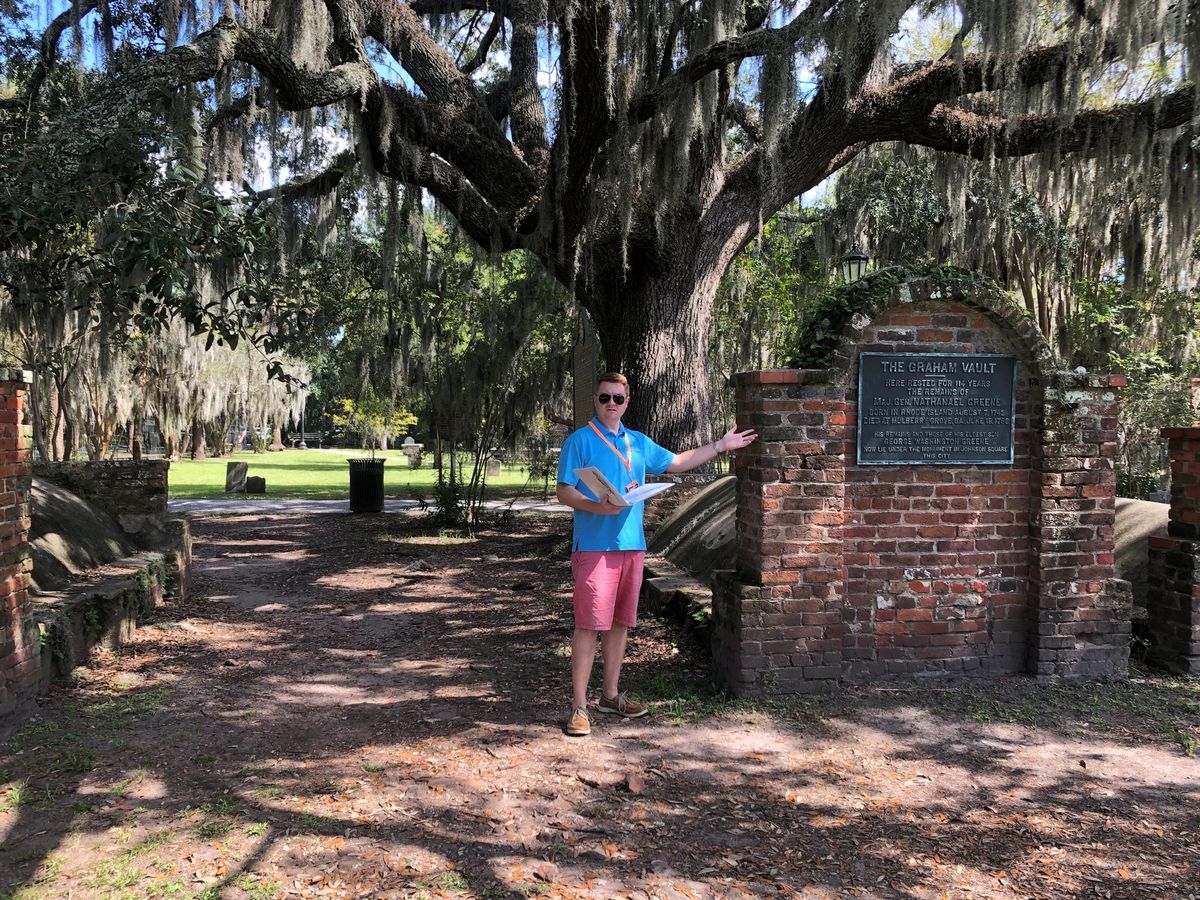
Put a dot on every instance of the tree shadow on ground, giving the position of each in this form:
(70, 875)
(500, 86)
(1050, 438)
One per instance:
(362, 707)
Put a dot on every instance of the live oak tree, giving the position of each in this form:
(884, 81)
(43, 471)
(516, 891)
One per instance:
(634, 147)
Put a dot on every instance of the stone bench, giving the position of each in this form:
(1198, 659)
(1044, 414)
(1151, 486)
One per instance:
(296, 438)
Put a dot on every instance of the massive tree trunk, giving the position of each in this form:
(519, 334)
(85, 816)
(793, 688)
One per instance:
(654, 317)
(656, 333)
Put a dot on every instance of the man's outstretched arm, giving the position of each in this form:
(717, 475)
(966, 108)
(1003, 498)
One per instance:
(690, 459)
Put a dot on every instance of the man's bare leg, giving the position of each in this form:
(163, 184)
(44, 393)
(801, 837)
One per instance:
(613, 644)
(583, 654)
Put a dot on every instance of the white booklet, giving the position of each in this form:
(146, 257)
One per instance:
(602, 487)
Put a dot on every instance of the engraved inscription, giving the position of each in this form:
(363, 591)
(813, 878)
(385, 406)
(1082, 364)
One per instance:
(935, 408)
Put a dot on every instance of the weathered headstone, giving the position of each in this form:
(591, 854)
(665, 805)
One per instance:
(956, 516)
(412, 450)
(256, 484)
(235, 477)
(493, 467)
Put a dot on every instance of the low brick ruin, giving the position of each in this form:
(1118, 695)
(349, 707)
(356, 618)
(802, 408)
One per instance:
(19, 642)
(117, 485)
(42, 635)
(851, 572)
(1173, 574)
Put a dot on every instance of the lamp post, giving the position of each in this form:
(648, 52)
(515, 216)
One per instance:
(854, 266)
(303, 445)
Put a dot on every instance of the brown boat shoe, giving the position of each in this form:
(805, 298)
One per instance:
(621, 705)
(580, 723)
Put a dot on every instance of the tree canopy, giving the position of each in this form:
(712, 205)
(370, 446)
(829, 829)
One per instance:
(633, 147)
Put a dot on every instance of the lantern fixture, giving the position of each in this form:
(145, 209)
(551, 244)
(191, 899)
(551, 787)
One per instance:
(854, 266)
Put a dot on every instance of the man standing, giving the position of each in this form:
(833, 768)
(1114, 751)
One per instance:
(609, 544)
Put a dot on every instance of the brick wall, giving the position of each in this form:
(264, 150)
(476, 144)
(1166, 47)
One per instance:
(937, 558)
(19, 649)
(1173, 574)
(849, 572)
(777, 620)
(1082, 609)
(116, 486)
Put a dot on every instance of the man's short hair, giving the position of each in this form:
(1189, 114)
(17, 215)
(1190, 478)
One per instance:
(613, 378)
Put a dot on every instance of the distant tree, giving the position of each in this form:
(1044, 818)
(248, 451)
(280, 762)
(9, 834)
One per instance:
(375, 421)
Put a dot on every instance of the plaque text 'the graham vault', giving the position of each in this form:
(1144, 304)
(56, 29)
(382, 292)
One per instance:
(936, 408)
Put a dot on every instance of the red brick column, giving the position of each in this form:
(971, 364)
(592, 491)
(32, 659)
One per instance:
(1173, 577)
(19, 649)
(777, 620)
(1082, 611)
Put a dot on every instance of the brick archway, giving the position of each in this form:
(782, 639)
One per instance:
(974, 294)
(848, 572)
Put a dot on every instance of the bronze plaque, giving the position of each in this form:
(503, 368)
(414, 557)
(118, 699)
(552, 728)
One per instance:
(948, 409)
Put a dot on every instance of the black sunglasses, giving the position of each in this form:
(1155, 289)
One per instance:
(618, 399)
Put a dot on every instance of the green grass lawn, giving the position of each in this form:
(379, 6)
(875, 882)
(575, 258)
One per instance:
(325, 475)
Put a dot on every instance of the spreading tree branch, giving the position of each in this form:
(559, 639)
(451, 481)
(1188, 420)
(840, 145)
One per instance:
(48, 57)
(746, 118)
(396, 156)
(528, 113)
(231, 112)
(911, 96)
(934, 82)
(587, 119)
(455, 113)
(485, 45)
(311, 186)
(728, 52)
(981, 136)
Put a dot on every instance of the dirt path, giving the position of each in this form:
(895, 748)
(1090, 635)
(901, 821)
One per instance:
(356, 707)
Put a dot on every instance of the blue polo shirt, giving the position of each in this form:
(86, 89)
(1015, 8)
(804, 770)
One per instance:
(585, 448)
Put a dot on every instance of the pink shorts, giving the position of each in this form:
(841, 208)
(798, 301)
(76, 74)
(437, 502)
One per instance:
(607, 584)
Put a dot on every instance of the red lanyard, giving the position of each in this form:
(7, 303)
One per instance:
(628, 449)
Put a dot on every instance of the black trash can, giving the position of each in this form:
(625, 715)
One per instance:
(366, 485)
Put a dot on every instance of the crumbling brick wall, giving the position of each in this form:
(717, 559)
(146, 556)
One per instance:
(848, 571)
(19, 650)
(116, 485)
(1173, 574)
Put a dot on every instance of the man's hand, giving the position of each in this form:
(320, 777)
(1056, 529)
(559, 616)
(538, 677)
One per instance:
(736, 440)
(569, 495)
(605, 508)
(706, 453)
